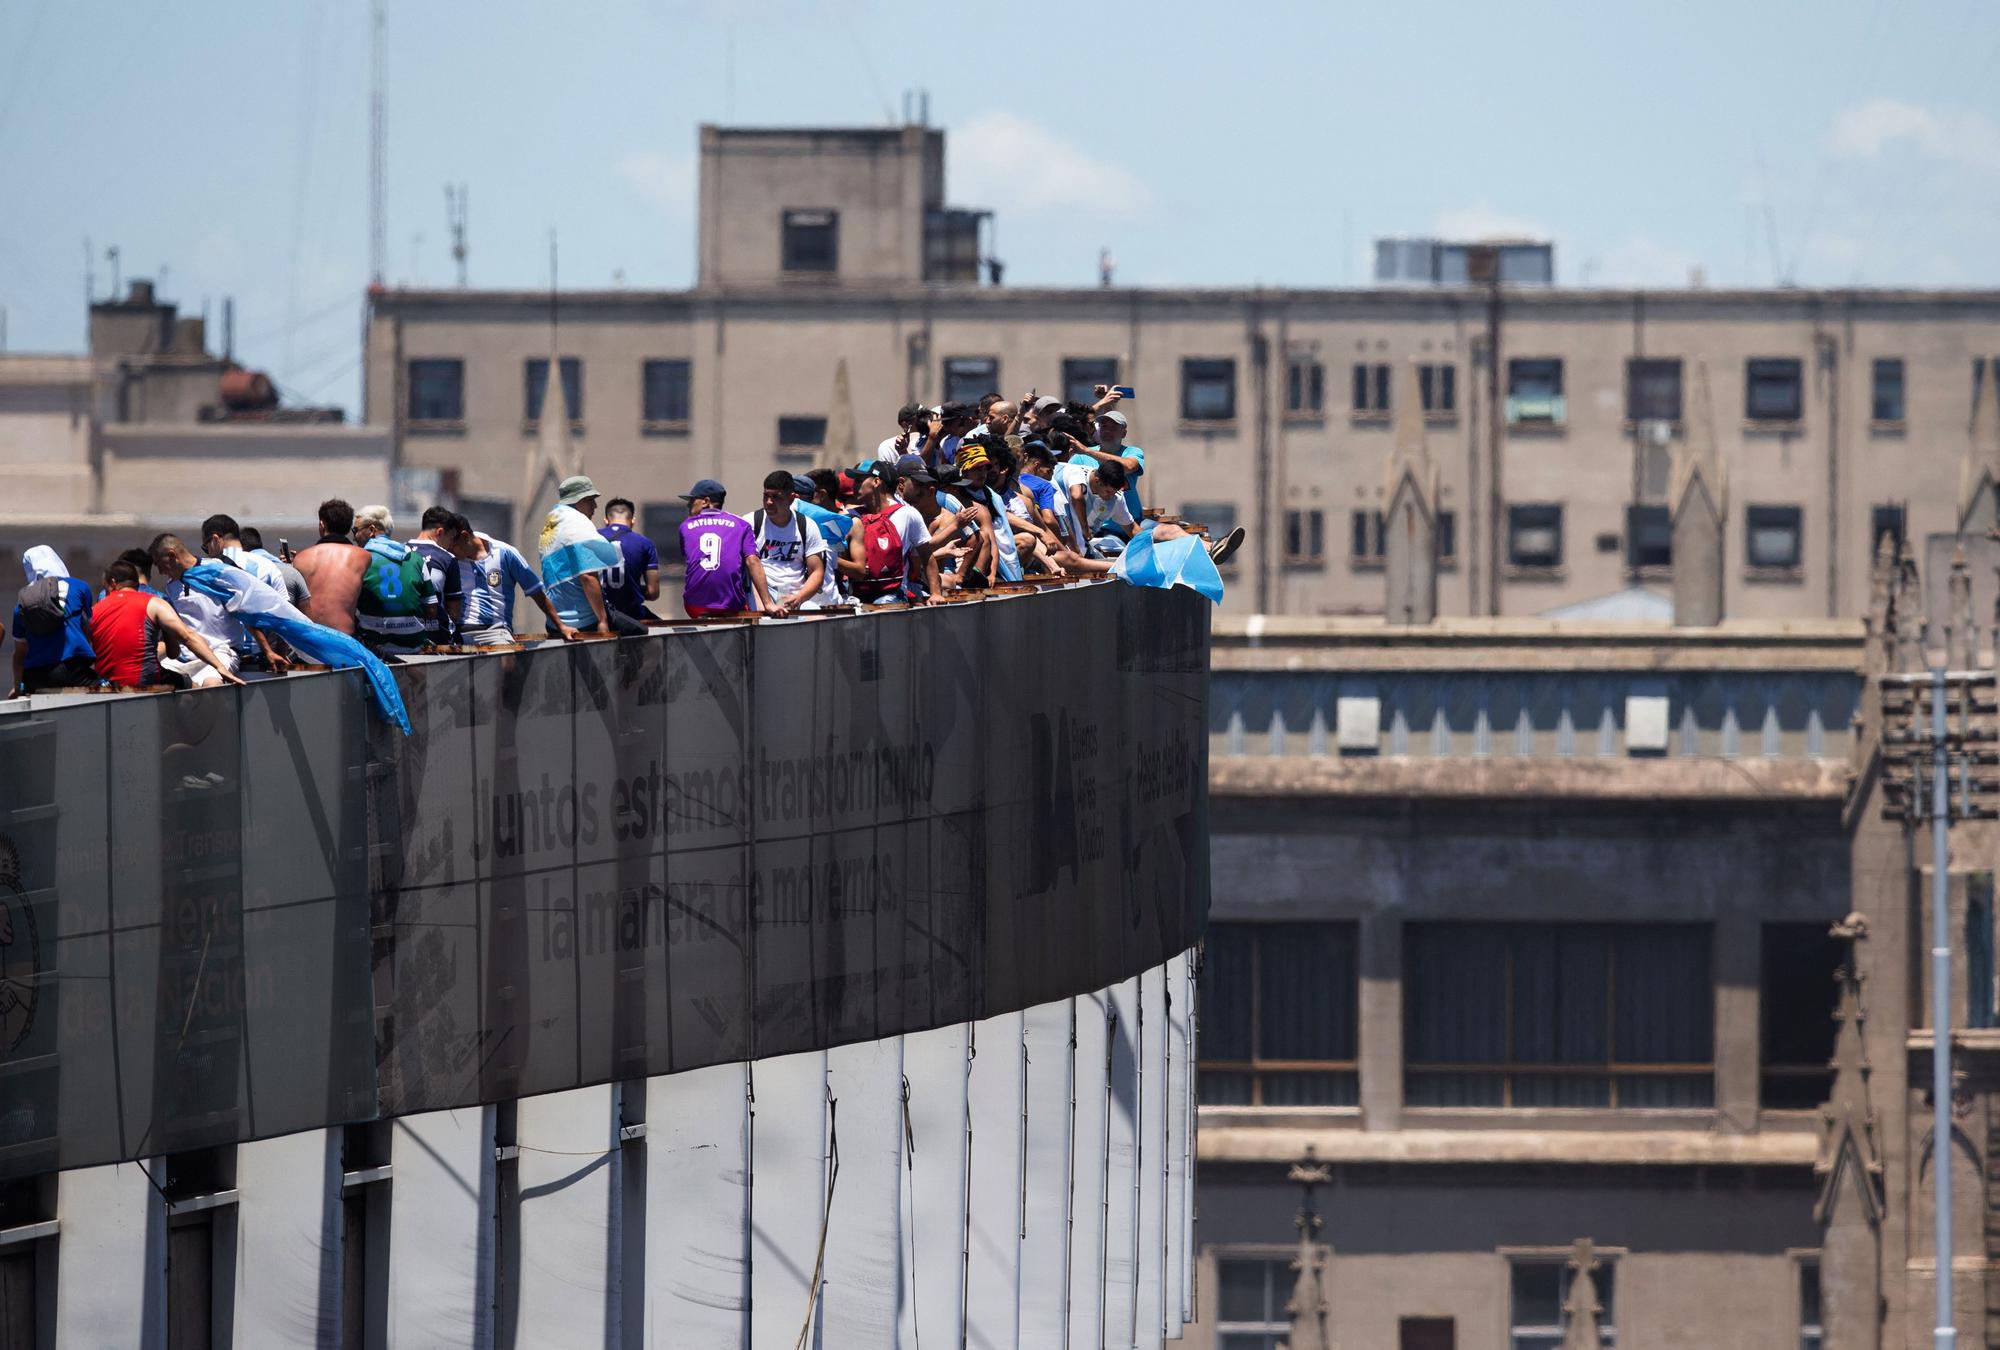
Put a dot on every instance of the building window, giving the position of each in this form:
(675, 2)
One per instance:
(1219, 517)
(1250, 1298)
(1535, 391)
(1540, 1289)
(1649, 537)
(1652, 390)
(1886, 519)
(1305, 537)
(1887, 402)
(666, 400)
(1305, 386)
(661, 523)
(1535, 535)
(1797, 995)
(1208, 390)
(1371, 388)
(1812, 1333)
(1437, 386)
(535, 380)
(800, 437)
(1082, 374)
(812, 241)
(1561, 1015)
(1771, 389)
(1279, 1004)
(1367, 537)
(1772, 535)
(1447, 528)
(437, 390)
(967, 379)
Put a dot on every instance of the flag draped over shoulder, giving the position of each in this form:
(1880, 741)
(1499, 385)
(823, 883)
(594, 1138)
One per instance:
(1175, 562)
(571, 546)
(257, 605)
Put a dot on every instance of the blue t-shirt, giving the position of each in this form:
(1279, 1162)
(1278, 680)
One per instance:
(625, 584)
(72, 639)
(1041, 489)
(488, 585)
(833, 525)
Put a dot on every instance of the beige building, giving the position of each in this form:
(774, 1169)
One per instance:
(834, 284)
(152, 431)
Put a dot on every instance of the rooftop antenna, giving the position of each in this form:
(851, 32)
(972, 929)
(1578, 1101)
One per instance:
(378, 131)
(111, 256)
(89, 272)
(454, 210)
(552, 290)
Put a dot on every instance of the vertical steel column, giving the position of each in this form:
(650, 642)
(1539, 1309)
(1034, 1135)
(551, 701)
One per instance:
(1945, 1336)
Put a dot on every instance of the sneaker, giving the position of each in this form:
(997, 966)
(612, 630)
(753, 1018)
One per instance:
(1228, 544)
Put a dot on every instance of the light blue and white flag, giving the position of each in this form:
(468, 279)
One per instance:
(1176, 562)
(262, 608)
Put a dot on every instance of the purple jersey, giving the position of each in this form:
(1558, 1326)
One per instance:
(625, 584)
(715, 544)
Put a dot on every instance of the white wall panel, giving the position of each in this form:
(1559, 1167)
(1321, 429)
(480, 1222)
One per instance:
(441, 1229)
(1121, 1209)
(1180, 994)
(288, 1240)
(1149, 1318)
(863, 1284)
(111, 1271)
(934, 1188)
(787, 1193)
(697, 1209)
(1045, 1259)
(1087, 1164)
(993, 1263)
(568, 1170)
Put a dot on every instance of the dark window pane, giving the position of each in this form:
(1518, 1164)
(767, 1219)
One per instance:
(666, 391)
(1772, 536)
(812, 241)
(1888, 390)
(1208, 390)
(1447, 389)
(1227, 988)
(661, 523)
(536, 384)
(1243, 1291)
(437, 390)
(1653, 390)
(1771, 390)
(1381, 388)
(1537, 1294)
(969, 378)
(1455, 994)
(1797, 996)
(1664, 1002)
(801, 432)
(1338, 1088)
(1360, 394)
(1225, 1087)
(1534, 535)
(1885, 520)
(1447, 534)
(1082, 374)
(1306, 990)
(1649, 537)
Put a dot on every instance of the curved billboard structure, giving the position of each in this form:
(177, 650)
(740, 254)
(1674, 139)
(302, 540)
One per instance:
(605, 893)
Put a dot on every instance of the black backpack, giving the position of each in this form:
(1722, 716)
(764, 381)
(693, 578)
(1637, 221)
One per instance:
(44, 607)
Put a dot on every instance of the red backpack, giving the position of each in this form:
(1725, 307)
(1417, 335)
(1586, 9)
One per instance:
(881, 556)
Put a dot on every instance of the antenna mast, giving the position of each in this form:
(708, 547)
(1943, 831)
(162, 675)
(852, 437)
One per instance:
(454, 210)
(378, 132)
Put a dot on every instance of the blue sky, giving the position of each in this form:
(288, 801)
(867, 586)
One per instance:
(225, 144)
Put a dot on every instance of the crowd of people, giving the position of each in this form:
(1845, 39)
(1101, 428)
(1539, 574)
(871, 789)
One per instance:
(961, 497)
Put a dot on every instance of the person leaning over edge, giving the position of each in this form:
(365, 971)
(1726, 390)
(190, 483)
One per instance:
(127, 627)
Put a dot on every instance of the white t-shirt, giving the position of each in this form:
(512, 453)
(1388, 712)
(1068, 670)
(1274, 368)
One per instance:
(206, 616)
(786, 549)
(1068, 476)
(1115, 511)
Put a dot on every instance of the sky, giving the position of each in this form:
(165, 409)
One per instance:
(222, 148)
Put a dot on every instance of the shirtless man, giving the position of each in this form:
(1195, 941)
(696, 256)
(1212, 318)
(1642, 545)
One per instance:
(333, 568)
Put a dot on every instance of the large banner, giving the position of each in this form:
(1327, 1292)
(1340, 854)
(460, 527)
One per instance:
(232, 914)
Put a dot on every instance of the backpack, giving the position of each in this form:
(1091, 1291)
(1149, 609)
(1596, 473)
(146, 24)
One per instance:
(881, 556)
(44, 606)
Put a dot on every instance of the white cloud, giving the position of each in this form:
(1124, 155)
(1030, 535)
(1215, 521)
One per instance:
(1481, 221)
(667, 181)
(998, 158)
(1879, 126)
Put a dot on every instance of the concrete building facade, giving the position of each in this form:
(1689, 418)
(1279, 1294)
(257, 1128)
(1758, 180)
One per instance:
(1551, 414)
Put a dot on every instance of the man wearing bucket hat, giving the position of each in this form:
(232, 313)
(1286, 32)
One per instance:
(574, 555)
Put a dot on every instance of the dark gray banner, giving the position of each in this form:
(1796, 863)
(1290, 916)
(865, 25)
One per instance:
(235, 914)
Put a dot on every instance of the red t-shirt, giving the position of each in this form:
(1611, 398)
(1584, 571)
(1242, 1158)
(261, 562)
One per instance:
(126, 644)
